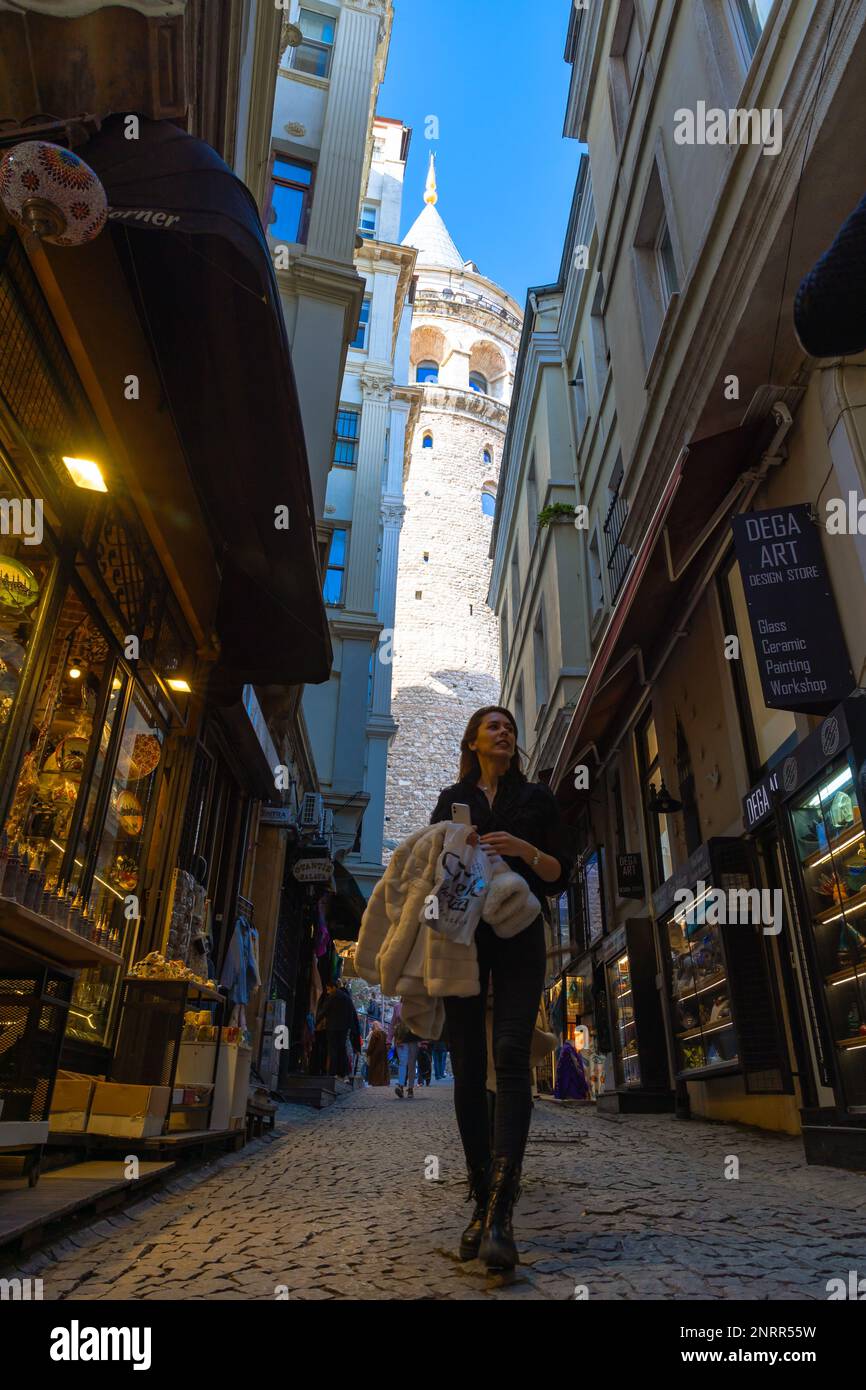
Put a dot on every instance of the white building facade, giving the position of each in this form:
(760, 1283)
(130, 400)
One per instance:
(465, 333)
(349, 718)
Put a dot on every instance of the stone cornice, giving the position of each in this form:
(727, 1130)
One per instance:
(483, 319)
(354, 625)
(328, 280)
(453, 399)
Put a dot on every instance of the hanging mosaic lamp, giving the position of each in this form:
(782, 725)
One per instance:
(52, 192)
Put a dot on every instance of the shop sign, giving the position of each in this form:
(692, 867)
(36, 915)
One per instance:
(629, 876)
(758, 803)
(802, 657)
(277, 815)
(254, 713)
(844, 726)
(696, 866)
(313, 870)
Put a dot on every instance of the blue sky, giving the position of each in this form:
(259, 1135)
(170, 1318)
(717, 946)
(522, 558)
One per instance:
(492, 71)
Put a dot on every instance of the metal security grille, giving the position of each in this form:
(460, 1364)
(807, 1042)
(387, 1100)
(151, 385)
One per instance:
(33, 1009)
(619, 557)
(38, 383)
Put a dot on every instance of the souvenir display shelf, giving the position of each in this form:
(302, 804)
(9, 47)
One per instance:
(625, 1045)
(704, 1031)
(830, 840)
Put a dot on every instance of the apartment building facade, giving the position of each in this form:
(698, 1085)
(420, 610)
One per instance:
(350, 716)
(703, 756)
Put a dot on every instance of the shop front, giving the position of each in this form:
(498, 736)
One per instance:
(721, 1003)
(627, 963)
(814, 800)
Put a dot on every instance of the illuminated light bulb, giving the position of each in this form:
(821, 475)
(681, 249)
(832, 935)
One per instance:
(85, 474)
(179, 684)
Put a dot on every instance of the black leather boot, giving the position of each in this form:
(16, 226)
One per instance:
(497, 1248)
(479, 1188)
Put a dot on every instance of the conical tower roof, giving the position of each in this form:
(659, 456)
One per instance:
(429, 235)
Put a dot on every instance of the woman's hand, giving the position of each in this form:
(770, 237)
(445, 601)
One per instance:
(500, 842)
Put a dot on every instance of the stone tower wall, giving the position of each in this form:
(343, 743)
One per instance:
(446, 644)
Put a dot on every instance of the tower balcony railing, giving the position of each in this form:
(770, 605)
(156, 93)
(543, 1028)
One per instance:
(476, 301)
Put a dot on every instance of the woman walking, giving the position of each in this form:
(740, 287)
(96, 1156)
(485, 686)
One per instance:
(377, 1057)
(520, 821)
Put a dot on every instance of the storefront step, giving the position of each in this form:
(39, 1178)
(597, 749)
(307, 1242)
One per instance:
(29, 1216)
(638, 1102)
(315, 1091)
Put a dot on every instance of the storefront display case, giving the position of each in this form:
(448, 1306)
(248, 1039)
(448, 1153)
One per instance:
(635, 1020)
(723, 1013)
(818, 799)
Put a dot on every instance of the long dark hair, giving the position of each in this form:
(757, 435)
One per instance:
(470, 768)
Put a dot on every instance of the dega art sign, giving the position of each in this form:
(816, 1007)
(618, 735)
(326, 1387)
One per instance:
(801, 652)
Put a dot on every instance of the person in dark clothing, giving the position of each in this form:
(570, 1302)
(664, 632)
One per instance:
(341, 1019)
(519, 820)
(425, 1064)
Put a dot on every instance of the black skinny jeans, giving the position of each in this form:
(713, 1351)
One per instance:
(516, 966)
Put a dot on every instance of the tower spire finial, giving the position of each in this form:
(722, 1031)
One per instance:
(430, 194)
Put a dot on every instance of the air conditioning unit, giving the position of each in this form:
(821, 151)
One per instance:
(312, 810)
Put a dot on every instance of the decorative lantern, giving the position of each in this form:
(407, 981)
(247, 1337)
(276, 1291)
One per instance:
(52, 192)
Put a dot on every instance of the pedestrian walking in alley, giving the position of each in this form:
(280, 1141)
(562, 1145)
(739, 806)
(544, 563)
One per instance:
(439, 1052)
(407, 1050)
(520, 821)
(425, 1064)
(377, 1057)
(340, 1019)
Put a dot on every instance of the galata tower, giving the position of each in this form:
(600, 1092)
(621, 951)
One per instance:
(465, 336)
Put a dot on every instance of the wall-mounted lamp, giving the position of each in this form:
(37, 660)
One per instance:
(661, 803)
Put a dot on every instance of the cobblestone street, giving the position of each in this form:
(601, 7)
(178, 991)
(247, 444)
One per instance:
(336, 1205)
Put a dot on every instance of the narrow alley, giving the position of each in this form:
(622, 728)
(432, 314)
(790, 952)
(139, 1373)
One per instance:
(337, 1206)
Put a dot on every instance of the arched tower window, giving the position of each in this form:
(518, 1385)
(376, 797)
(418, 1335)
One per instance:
(488, 498)
(427, 371)
(478, 383)
(487, 456)
(427, 441)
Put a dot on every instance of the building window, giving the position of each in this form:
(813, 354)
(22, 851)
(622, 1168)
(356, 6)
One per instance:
(767, 732)
(418, 593)
(515, 584)
(487, 457)
(658, 828)
(335, 572)
(519, 716)
(488, 499)
(478, 383)
(686, 780)
(346, 440)
(427, 371)
(596, 583)
(750, 18)
(367, 221)
(598, 332)
(503, 636)
(360, 339)
(313, 56)
(426, 557)
(291, 199)
(532, 503)
(619, 557)
(539, 651)
(656, 271)
(427, 441)
(579, 386)
(625, 54)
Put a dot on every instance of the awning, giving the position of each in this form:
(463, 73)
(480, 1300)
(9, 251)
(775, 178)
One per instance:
(650, 605)
(189, 238)
(346, 906)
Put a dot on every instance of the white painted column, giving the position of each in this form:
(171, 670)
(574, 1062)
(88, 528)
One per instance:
(392, 521)
(361, 584)
(337, 190)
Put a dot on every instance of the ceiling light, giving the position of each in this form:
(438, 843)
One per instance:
(179, 684)
(85, 474)
(74, 672)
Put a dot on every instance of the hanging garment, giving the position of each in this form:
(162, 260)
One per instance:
(241, 969)
(571, 1082)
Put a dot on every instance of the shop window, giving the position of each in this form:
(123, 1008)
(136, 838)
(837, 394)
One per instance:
(767, 732)
(25, 569)
(657, 826)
